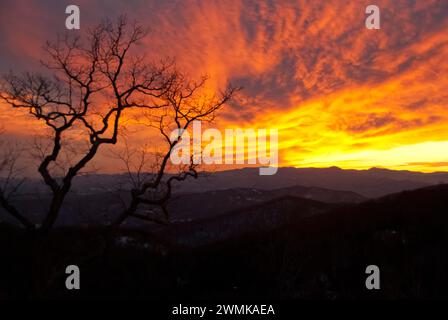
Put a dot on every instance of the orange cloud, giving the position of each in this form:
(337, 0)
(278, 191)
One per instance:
(339, 94)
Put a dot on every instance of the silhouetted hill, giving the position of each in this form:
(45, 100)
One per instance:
(286, 248)
(83, 208)
(262, 217)
(288, 212)
(370, 183)
(96, 198)
(192, 206)
(325, 255)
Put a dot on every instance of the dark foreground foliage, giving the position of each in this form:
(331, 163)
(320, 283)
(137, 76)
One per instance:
(322, 256)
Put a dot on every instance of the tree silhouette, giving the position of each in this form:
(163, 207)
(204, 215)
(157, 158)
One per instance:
(87, 91)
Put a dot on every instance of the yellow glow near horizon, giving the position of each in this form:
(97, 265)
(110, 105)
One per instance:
(339, 95)
(424, 157)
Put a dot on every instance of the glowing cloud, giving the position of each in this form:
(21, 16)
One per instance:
(338, 93)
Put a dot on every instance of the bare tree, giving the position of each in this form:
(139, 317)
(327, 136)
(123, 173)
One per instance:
(9, 182)
(90, 89)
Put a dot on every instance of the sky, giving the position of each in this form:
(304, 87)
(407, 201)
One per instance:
(339, 94)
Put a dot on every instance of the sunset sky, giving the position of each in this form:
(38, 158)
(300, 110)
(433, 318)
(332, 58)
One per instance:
(339, 94)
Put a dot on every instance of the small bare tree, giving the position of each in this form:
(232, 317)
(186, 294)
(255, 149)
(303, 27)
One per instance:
(92, 86)
(9, 156)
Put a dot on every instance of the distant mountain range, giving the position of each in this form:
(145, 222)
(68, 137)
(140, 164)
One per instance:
(325, 254)
(368, 183)
(96, 199)
(100, 207)
(421, 206)
(193, 206)
(290, 242)
(261, 217)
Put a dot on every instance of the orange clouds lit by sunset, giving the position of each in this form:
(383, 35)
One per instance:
(339, 94)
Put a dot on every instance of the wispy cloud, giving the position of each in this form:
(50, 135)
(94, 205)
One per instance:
(309, 68)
